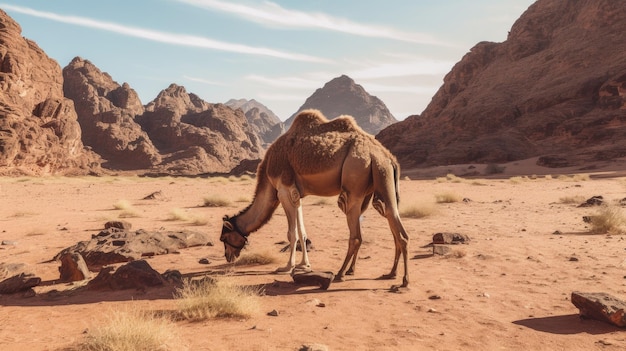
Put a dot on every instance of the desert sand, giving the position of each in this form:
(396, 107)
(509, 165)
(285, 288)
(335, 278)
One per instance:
(507, 289)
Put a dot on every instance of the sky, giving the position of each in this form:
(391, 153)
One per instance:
(276, 52)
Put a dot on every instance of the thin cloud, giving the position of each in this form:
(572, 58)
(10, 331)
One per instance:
(163, 37)
(272, 14)
(402, 69)
(203, 81)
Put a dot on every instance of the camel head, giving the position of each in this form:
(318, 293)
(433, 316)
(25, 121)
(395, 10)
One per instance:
(234, 239)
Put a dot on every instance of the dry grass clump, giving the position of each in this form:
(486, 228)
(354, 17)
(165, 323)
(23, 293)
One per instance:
(450, 178)
(576, 199)
(447, 197)
(609, 219)
(417, 210)
(207, 298)
(128, 211)
(131, 331)
(574, 178)
(256, 258)
(215, 201)
(178, 214)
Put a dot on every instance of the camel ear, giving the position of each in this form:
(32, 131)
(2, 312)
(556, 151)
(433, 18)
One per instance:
(229, 226)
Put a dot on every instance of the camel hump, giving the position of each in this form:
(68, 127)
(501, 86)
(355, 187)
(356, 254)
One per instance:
(308, 119)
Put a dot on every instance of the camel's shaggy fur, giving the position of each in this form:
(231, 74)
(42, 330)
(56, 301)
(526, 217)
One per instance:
(325, 158)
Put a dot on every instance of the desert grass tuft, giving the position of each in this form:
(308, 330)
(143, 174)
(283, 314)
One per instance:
(447, 197)
(609, 219)
(576, 199)
(178, 214)
(256, 258)
(320, 201)
(215, 201)
(122, 205)
(417, 210)
(450, 178)
(131, 331)
(204, 299)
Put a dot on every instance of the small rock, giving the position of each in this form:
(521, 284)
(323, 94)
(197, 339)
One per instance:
(273, 313)
(8, 243)
(573, 259)
(204, 261)
(434, 297)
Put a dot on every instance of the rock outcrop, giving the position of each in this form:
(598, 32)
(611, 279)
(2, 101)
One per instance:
(39, 131)
(106, 113)
(198, 137)
(342, 96)
(555, 87)
(262, 120)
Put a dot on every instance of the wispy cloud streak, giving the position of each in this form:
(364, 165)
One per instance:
(272, 14)
(163, 37)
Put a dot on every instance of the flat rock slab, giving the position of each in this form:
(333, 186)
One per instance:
(115, 245)
(18, 283)
(321, 279)
(600, 306)
(450, 238)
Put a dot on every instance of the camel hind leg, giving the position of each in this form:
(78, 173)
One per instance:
(352, 207)
(386, 203)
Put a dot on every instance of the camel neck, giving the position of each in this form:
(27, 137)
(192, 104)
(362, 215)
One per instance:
(259, 212)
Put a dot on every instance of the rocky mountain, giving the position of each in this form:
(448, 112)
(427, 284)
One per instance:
(342, 96)
(196, 136)
(106, 113)
(555, 88)
(264, 122)
(39, 131)
(177, 133)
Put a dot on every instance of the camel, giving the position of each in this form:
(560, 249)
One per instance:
(324, 158)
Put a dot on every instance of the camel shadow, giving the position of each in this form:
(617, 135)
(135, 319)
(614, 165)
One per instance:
(567, 325)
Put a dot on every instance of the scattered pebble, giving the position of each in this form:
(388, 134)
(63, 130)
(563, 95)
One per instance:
(273, 313)
(204, 261)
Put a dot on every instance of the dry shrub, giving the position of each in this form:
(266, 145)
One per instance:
(417, 210)
(123, 205)
(132, 213)
(215, 201)
(447, 197)
(208, 298)
(178, 214)
(450, 178)
(199, 221)
(576, 199)
(581, 177)
(256, 258)
(609, 219)
(131, 331)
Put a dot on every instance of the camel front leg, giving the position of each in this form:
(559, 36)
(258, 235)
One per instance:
(304, 263)
(291, 201)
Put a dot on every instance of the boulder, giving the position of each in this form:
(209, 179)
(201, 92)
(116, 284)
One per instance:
(601, 306)
(19, 283)
(133, 275)
(73, 267)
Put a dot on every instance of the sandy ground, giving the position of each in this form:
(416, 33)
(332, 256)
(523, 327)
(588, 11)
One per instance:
(508, 289)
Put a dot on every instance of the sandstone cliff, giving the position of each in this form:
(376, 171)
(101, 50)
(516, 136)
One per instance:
(106, 113)
(342, 96)
(39, 132)
(198, 137)
(556, 87)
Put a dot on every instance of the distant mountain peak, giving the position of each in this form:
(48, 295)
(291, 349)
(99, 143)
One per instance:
(342, 96)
